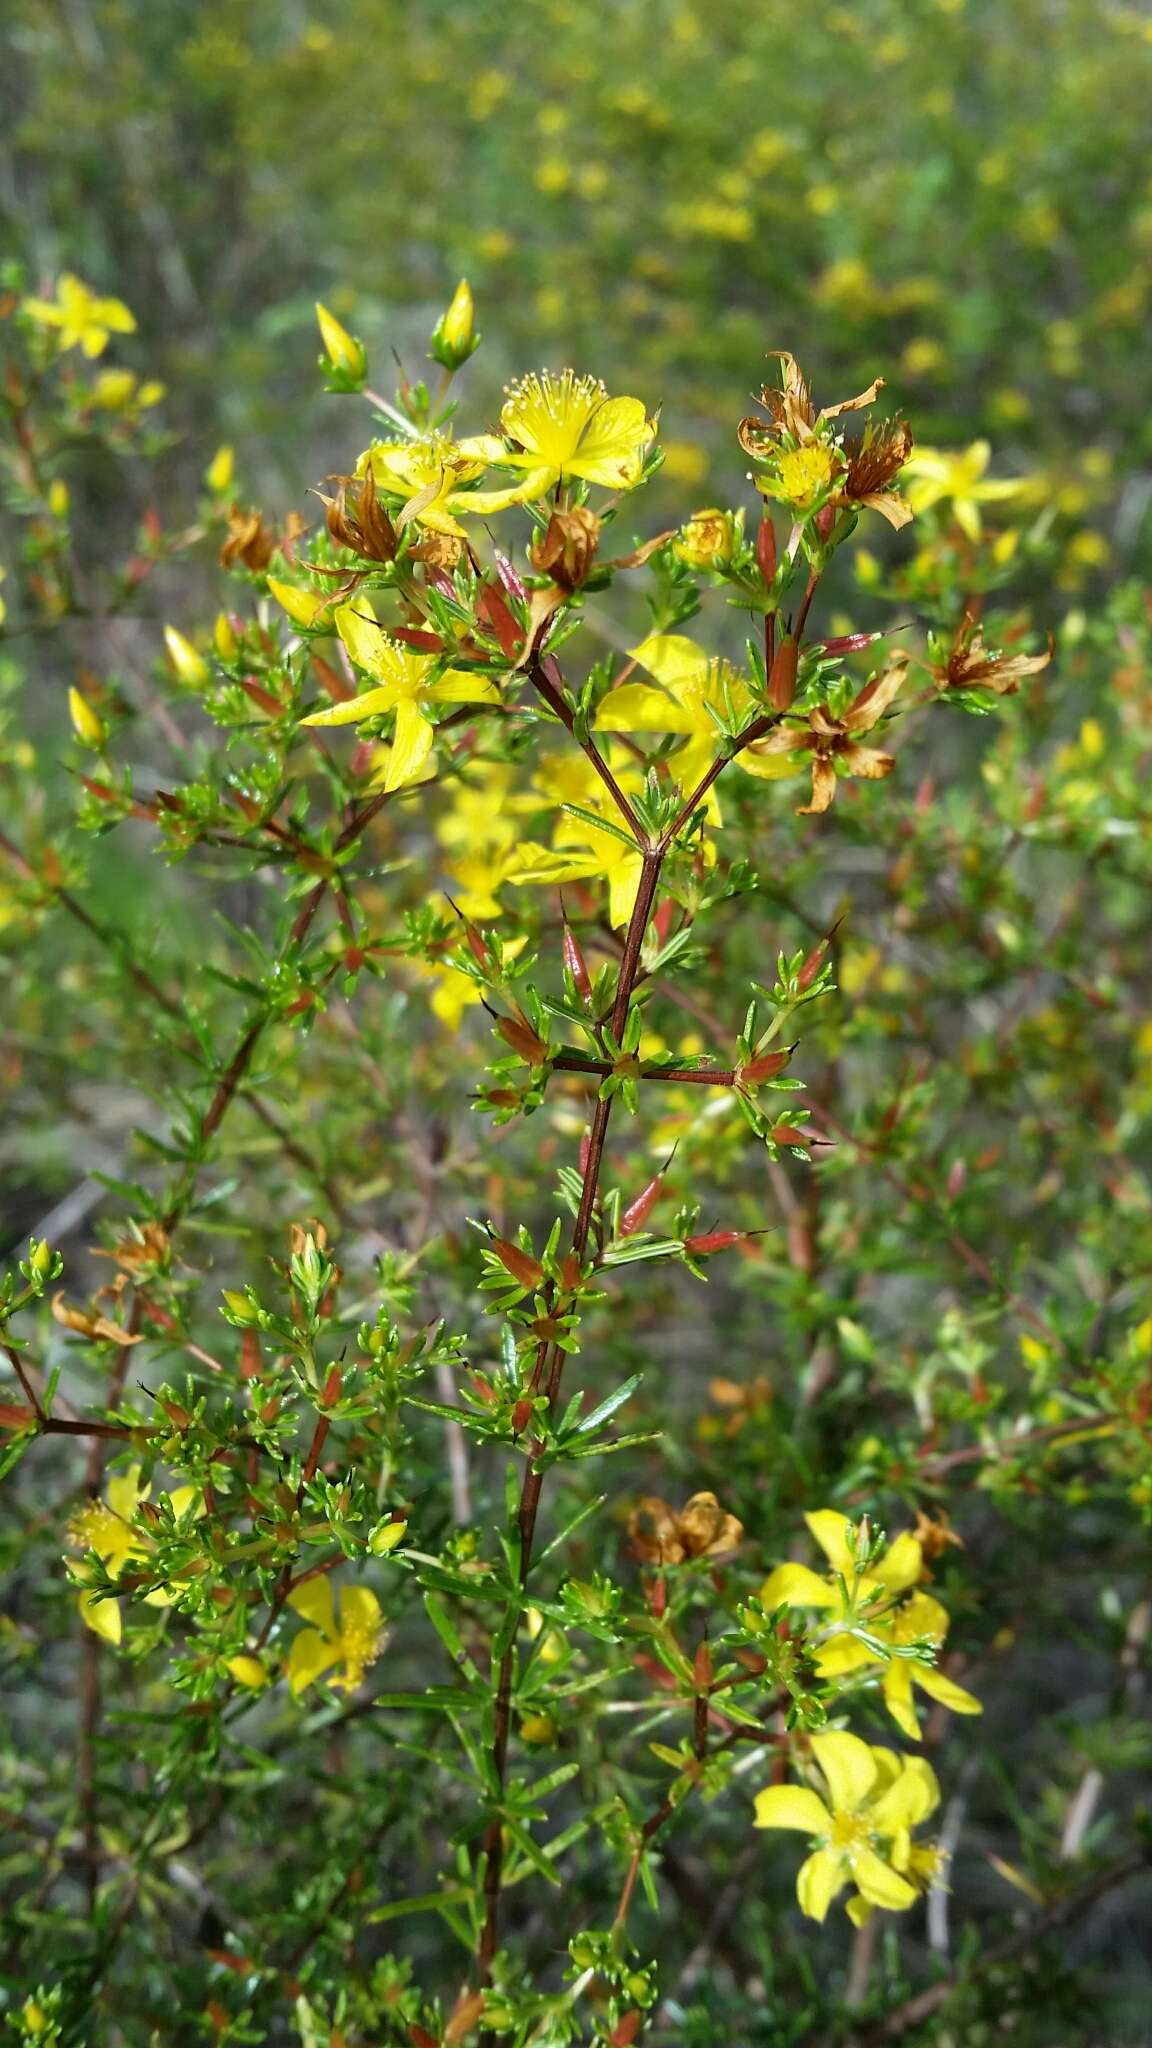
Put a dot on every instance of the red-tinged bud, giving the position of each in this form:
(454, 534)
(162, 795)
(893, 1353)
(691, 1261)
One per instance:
(353, 959)
(791, 1134)
(702, 1671)
(482, 1388)
(305, 1002)
(576, 965)
(511, 578)
(636, 1215)
(766, 549)
(502, 1098)
(825, 520)
(521, 1416)
(570, 1275)
(426, 643)
(333, 1387)
(782, 675)
(421, 2038)
(135, 570)
(848, 643)
(263, 699)
(177, 1415)
(100, 790)
(335, 685)
(623, 2035)
(153, 524)
(925, 795)
(13, 1416)
(362, 755)
(271, 1409)
(245, 805)
(662, 919)
(522, 1266)
(250, 1359)
(957, 1175)
(768, 1063)
(812, 964)
(518, 1033)
(477, 945)
(656, 1594)
(494, 613)
(712, 1241)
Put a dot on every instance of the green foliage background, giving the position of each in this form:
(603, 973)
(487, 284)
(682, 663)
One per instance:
(958, 196)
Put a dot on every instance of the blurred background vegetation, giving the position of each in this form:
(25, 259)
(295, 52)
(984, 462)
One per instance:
(954, 192)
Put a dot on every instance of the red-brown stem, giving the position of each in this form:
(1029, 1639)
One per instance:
(553, 1356)
(547, 686)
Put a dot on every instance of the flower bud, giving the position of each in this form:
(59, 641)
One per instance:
(224, 638)
(220, 472)
(346, 354)
(87, 724)
(302, 606)
(454, 336)
(707, 540)
(189, 666)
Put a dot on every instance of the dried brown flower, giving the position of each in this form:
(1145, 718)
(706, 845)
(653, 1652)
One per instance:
(701, 1528)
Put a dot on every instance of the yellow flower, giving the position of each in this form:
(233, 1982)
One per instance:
(433, 478)
(84, 320)
(862, 1829)
(706, 539)
(937, 477)
(567, 426)
(692, 687)
(105, 1526)
(353, 1642)
(867, 1608)
(404, 681)
(802, 473)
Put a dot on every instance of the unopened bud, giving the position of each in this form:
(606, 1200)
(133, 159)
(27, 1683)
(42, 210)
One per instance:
(782, 676)
(707, 540)
(87, 723)
(454, 337)
(189, 666)
(575, 964)
(346, 354)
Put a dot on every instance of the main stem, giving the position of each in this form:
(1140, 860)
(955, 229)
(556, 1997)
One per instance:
(550, 1370)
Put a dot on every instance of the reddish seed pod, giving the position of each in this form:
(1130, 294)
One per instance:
(766, 1065)
(782, 676)
(766, 549)
(522, 1266)
(477, 944)
(333, 1387)
(575, 963)
(702, 1671)
(638, 1212)
(521, 1415)
(713, 1241)
(518, 1033)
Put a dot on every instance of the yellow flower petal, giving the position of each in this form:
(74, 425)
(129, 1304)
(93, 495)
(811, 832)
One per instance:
(350, 712)
(102, 1616)
(411, 744)
(945, 1690)
(314, 1601)
(818, 1880)
(897, 1690)
(848, 1767)
(901, 1564)
(880, 1885)
(795, 1585)
(792, 1806)
(834, 1533)
(302, 606)
(310, 1656)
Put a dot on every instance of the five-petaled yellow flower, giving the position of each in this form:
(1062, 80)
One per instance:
(936, 476)
(434, 478)
(405, 681)
(567, 426)
(861, 1830)
(866, 1608)
(84, 320)
(691, 688)
(353, 1641)
(105, 1526)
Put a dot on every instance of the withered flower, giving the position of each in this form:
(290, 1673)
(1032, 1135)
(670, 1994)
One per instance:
(661, 1535)
(971, 666)
(874, 460)
(440, 551)
(792, 415)
(357, 519)
(833, 741)
(934, 1533)
(249, 541)
(566, 551)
